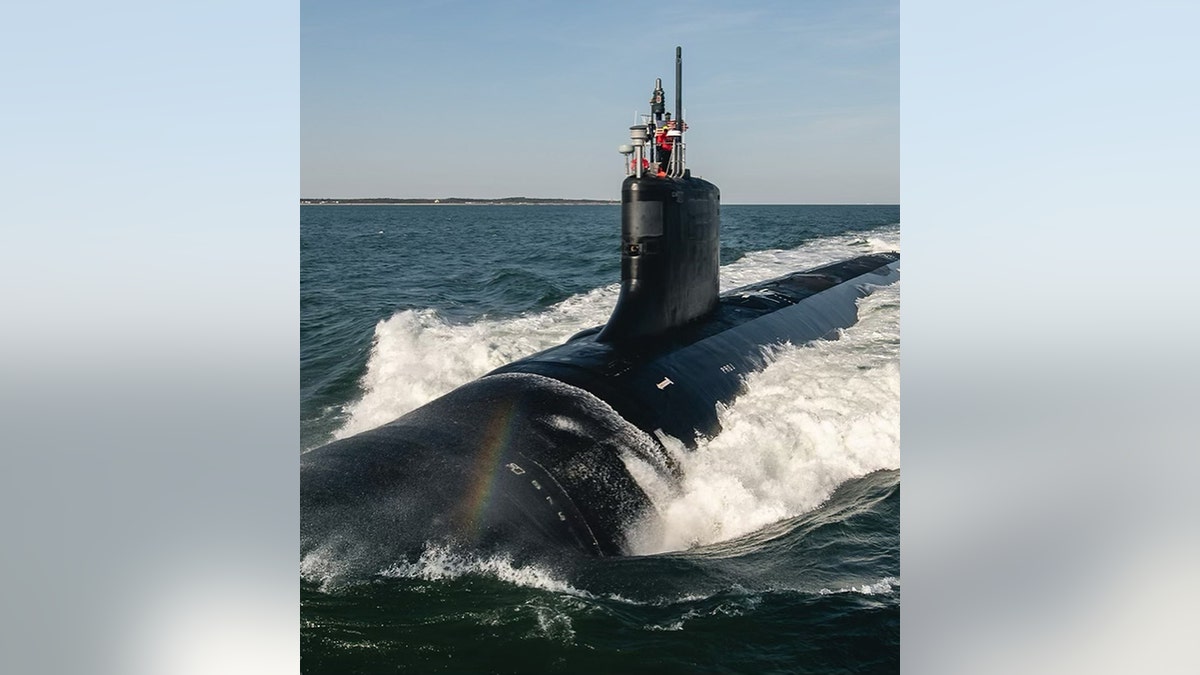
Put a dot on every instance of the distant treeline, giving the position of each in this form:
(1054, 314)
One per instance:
(459, 200)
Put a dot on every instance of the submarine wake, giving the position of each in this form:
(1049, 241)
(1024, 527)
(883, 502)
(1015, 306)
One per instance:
(817, 416)
(417, 355)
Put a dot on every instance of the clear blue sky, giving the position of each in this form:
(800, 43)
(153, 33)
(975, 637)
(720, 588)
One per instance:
(787, 102)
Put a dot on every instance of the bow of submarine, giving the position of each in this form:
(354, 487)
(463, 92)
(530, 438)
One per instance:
(517, 461)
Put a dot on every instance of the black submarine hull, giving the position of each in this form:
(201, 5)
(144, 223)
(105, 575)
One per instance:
(533, 457)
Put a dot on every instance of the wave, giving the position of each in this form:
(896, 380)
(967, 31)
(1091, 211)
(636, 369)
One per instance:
(884, 586)
(816, 417)
(418, 355)
(696, 595)
(439, 563)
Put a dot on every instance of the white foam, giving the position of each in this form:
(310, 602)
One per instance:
(734, 607)
(417, 355)
(439, 563)
(762, 265)
(817, 416)
(442, 563)
(554, 624)
(330, 565)
(884, 586)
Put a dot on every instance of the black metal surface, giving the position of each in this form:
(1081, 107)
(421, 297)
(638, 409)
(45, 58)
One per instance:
(679, 86)
(670, 256)
(518, 462)
(658, 104)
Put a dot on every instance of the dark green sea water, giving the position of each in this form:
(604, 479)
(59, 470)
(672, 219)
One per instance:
(779, 550)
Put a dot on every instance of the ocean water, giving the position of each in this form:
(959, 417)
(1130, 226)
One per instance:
(778, 551)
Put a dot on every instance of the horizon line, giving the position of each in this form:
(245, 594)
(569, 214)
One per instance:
(567, 199)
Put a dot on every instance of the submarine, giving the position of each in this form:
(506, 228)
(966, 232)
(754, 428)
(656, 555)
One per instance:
(535, 457)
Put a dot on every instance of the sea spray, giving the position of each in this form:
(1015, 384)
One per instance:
(817, 416)
(418, 356)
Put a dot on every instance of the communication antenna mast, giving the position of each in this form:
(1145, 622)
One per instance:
(675, 166)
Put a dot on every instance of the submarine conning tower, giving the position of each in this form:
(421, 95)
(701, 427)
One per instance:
(670, 233)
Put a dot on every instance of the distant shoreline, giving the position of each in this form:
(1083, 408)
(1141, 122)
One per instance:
(388, 201)
(523, 201)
